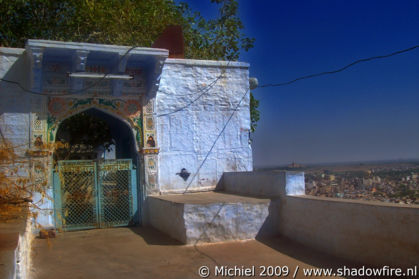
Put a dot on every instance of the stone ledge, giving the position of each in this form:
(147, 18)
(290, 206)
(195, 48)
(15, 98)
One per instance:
(209, 216)
(211, 197)
(268, 184)
(372, 203)
(97, 47)
(208, 63)
(11, 51)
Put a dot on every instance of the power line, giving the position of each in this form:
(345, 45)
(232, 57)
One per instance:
(300, 78)
(205, 90)
(208, 225)
(286, 83)
(215, 141)
(272, 85)
(212, 84)
(340, 69)
(238, 105)
(74, 92)
(196, 173)
(204, 231)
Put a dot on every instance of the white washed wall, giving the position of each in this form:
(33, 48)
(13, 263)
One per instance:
(185, 137)
(15, 109)
(14, 104)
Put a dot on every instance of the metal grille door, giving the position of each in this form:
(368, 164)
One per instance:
(90, 194)
(77, 195)
(114, 193)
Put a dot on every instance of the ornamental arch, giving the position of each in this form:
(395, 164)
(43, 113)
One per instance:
(100, 128)
(95, 188)
(128, 111)
(71, 79)
(154, 96)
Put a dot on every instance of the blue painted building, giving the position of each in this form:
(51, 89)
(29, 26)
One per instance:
(164, 116)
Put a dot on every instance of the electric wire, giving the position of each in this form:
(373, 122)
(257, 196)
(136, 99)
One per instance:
(204, 90)
(216, 140)
(205, 231)
(238, 105)
(73, 92)
(340, 69)
(196, 173)
(232, 114)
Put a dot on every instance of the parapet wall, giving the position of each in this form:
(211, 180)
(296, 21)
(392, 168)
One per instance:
(368, 232)
(371, 233)
(267, 184)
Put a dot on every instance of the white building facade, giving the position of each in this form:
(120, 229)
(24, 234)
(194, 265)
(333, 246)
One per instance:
(179, 124)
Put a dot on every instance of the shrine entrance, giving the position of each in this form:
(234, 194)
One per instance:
(95, 174)
(94, 194)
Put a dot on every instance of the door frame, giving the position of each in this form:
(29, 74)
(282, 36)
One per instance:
(135, 209)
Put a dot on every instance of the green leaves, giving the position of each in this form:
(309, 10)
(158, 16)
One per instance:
(254, 113)
(124, 22)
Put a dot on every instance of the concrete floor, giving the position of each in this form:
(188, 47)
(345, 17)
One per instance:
(146, 253)
(210, 197)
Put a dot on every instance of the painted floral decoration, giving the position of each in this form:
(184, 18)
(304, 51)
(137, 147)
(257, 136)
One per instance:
(132, 107)
(56, 106)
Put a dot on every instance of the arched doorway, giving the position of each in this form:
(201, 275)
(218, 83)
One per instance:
(95, 179)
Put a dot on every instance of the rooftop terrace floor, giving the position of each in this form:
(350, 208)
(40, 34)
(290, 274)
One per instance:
(143, 252)
(210, 197)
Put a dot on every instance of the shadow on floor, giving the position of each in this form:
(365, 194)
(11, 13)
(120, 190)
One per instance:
(154, 237)
(305, 254)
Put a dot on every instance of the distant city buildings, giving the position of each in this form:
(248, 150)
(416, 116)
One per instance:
(396, 185)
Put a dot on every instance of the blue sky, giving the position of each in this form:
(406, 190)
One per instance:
(366, 113)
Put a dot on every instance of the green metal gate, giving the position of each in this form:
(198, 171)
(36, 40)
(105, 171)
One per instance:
(95, 194)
